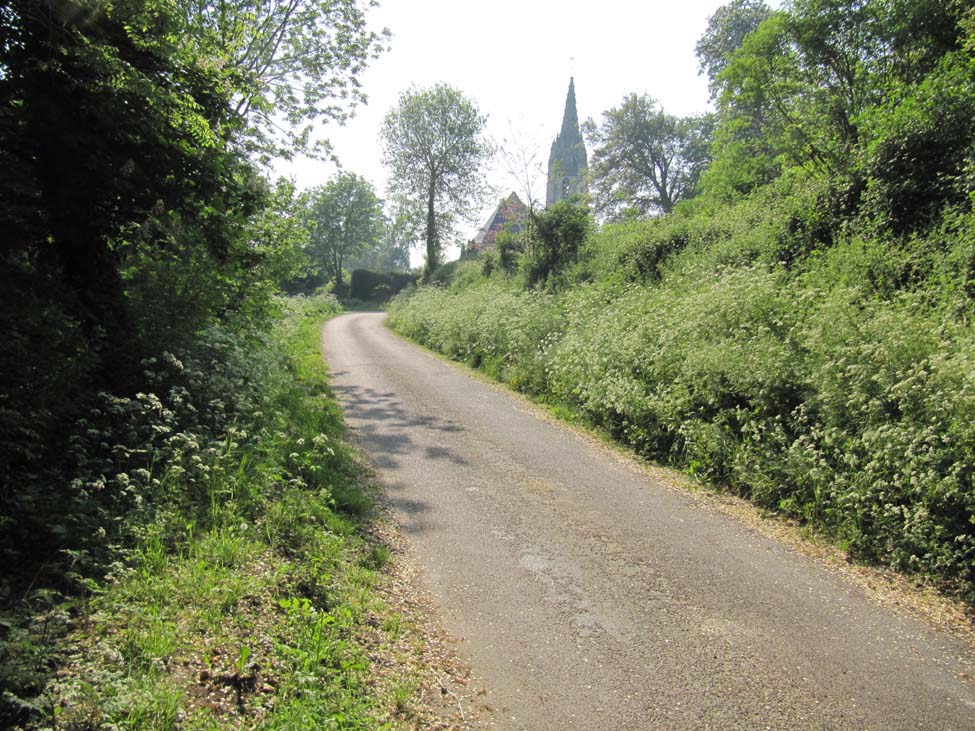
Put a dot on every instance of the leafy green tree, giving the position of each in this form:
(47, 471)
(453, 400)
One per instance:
(748, 137)
(645, 160)
(391, 252)
(802, 88)
(348, 218)
(725, 33)
(922, 32)
(114, 133)
(560, 231)
(919, 156)
(434, 145)
(291, 63)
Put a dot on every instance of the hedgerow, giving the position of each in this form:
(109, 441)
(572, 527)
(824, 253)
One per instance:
(835, 388)
(801, 331)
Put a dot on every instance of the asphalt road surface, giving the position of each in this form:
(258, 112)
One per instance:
(588, 596)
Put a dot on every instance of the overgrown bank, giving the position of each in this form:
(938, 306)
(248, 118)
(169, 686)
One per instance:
(241, 584)
(181, 528)
(838, 389)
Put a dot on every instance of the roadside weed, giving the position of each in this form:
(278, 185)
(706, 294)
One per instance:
(249, 600)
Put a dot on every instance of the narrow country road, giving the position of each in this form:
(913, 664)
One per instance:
(588, 596)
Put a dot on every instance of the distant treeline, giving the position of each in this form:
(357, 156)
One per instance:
(376, 286)
(364, 285)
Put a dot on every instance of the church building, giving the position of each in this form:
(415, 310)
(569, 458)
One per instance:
(567, 163)
(567, 166)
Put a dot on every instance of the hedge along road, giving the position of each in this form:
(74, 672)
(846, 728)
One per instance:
(588, 596)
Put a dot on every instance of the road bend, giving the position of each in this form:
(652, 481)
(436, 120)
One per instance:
(586, 595)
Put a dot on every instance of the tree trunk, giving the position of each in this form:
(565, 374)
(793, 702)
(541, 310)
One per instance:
(433, 253)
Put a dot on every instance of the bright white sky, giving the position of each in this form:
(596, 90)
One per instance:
(512, 58)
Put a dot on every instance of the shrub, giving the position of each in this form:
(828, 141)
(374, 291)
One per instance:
(560, 232)
(921, 144)
(369, 286)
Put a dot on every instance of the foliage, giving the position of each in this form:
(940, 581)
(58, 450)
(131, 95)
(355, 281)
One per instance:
(136, 471)
(131, 222)
(291, 64)
(921, 146)
(347, 217)
(244, 596)
(368, 286)
(434, 144)
(392, 251)
(726, 31)
(132, 219)
(509, 248)
(806, 79)
(828, 396)
(139, 266)
(114, 142)
(493, 324)
(560, 231)
(644, 160)
(801, 331)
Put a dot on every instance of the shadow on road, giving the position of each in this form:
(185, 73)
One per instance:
(390, 434)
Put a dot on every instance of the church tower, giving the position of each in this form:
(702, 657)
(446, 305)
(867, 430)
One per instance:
(567, 163)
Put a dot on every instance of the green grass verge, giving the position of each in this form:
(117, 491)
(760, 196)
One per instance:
(263, 611)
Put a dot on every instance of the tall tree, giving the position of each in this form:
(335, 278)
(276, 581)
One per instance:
(348, 218)
(434, 145)
(645, 160)
(808, 76)
(292, 62)
(725, 33)
(111, 127)
(122, 125)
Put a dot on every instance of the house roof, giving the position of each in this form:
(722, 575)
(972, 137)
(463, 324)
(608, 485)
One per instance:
(510, 210)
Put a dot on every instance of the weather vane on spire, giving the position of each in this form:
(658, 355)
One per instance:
(572, 65)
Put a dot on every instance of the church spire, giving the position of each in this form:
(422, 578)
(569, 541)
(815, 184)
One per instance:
(567, 163)
(570, 118)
